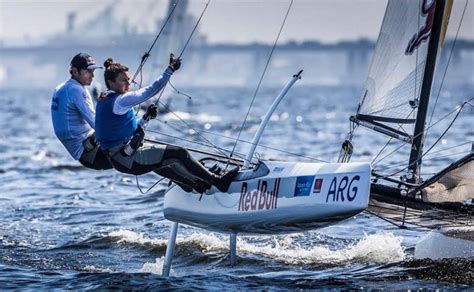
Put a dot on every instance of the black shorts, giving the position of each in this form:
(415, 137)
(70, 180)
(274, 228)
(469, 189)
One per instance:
(95, 159)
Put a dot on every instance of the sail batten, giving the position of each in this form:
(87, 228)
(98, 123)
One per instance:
(372, 118)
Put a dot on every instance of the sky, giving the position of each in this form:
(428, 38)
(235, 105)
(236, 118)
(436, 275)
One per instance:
(235, 21)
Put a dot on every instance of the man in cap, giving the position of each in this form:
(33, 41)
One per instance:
(73, 114)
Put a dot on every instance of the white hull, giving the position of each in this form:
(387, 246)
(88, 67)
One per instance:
(286, 197)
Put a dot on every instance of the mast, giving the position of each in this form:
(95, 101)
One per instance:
(418, 136)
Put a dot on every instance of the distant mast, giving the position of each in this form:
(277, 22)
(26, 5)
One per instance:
(419, 135)
(175, 32)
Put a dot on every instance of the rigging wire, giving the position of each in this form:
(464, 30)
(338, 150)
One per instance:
(267, 147)
(147, 54)
(163, 89)
(197, 132)
(240, 155)
(193, 141)
(430, 158)
(447, 64)
(185, 46)
(145, 57)
(449, 148)
(194, 29)
(459, 109)
(179, 57)
(388, 142)
(244, 141)
(449, 126)
(261, 78)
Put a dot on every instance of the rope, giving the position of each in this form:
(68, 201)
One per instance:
(261, 78)
(179, 92)
(144, 192)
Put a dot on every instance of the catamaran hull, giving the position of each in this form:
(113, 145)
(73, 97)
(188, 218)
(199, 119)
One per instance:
(290, 197)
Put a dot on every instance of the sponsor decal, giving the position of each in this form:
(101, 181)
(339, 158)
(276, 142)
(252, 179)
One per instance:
(318, 185)
(303, 185)
(427, 10)
(345, 187)
(278, 169)
(262, 198)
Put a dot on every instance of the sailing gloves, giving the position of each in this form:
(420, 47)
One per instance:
(151, 112)
(135, 143)
(175, 63)
(89, 143)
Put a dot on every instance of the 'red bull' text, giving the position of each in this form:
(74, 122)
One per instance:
(261, 198)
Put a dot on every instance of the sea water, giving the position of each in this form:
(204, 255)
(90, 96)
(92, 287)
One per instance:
(64, 226)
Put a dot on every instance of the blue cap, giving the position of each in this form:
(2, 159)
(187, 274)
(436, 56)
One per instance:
(84, 61)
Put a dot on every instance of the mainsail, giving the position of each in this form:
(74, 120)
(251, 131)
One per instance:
(395, 101)
(390, 97)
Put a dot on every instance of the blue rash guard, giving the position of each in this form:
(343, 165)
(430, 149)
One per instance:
(116, 129)
(115, 121)
(73, 115)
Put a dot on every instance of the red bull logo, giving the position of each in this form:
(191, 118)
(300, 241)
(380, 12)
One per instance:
(427, 10)
(261, 198)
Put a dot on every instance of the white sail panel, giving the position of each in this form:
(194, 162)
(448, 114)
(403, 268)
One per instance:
(396, 73)
(456, 185)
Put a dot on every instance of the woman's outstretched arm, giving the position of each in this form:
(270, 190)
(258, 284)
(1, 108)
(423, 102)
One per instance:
(128, 100)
